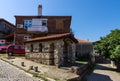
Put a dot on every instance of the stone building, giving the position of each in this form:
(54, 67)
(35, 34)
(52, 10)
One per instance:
(83, 47)
(58, 49)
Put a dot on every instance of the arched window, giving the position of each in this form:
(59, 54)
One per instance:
(31, 47)
(65, 47)
(52, 47)
(40, 47)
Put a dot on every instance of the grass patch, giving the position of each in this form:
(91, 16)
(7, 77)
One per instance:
(20, 56)
(3, 55)
(56, 79)
(82, 62)
(39, 76)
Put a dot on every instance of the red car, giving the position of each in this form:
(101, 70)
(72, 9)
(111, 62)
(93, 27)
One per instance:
(3, 49)
(16, 50)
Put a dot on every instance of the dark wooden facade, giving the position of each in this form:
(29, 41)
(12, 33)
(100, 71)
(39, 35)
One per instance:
(6, 27)
(55, 24)
(6, 31)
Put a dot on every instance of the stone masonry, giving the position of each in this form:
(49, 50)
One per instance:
(51, 52)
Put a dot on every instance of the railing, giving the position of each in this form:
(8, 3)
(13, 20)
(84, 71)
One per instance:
(38, 28)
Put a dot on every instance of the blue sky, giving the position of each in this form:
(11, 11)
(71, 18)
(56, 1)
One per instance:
(91, 19)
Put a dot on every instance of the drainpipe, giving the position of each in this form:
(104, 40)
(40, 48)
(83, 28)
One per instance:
(14, 37)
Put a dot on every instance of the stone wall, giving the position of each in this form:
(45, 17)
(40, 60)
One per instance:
(48, 55)
(43, 58)
(51, 52)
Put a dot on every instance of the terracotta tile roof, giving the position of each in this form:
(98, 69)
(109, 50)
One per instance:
(52, 37)
(83, 41)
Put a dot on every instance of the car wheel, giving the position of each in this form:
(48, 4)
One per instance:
(10, 53)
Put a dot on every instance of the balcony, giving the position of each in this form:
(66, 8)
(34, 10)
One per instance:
(37, 29)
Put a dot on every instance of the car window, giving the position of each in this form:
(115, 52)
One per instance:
(16, 47)
(22, 47)
(11, 47)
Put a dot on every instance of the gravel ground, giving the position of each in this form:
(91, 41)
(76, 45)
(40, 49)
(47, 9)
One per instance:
(11, 73)
(103, 72)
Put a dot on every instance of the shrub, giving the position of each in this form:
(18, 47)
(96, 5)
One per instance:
(116, 54)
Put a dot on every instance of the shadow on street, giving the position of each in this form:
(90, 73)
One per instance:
(99, 77)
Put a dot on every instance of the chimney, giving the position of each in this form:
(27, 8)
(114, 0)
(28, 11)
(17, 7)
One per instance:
(88, 40)
(40, 10)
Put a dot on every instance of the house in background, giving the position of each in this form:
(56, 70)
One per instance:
(10, 34)
(58, 49)
(6, 32)
(83, 47)
(40, 25)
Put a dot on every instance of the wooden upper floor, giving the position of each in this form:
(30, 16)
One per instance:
(54, 24)
(6, 28)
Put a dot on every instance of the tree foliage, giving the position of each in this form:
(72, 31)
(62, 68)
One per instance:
(107, 45)
(116, 54)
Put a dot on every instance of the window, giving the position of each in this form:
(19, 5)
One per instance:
(40, 47)
(44, 22)
(2, 41)
(11, 47)
(22, 47)
(52, 47)
(16, 47)
(27, 37)
(19, 25)
(31, 47)
(27, 23)
(65, 47)
(39, 22)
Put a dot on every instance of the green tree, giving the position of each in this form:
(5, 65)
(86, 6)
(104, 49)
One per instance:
(107, 44)
(116, 54)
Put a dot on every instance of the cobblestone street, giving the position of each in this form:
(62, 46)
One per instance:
(11, 73)
(48, 72)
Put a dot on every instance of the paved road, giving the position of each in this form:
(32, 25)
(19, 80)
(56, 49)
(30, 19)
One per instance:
(103, 72)
(11, 73)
